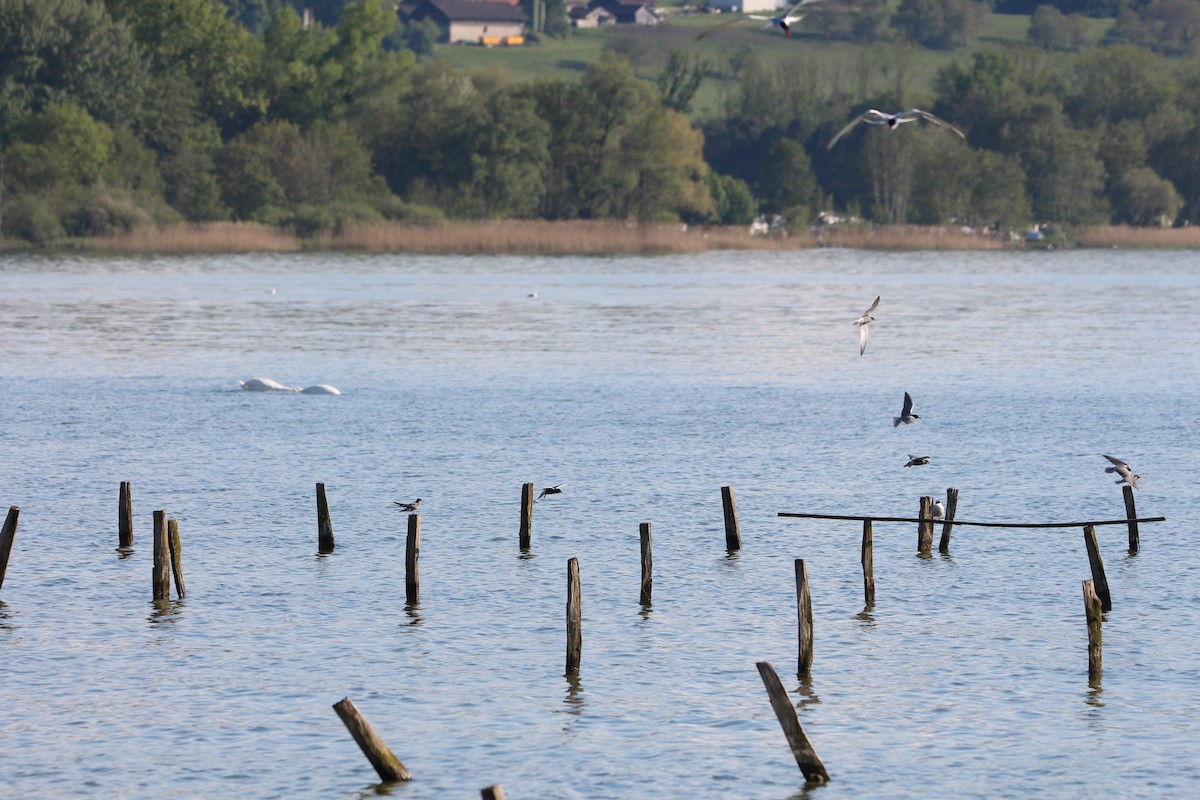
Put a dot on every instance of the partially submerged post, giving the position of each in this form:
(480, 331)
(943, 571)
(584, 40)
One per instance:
(125, 516)
(526, 516)
(7, 534)
(804, 619)
(324, 524)
(647, 563)
(161, 576)
(412, 558)
(493, 792)
(574, 618)
(806, 757)
(1092, 610)
(176, 548)
(1131, 515)
(951, 506)
(733, 532)
(925, 527)
(374, 748)
(1098, 579)
(868, 563)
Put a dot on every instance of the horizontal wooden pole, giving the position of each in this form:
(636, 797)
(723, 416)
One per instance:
(975, 524)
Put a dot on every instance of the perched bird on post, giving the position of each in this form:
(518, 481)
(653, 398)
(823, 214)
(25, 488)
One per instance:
(1124, 470)
(938, 509)
(413, 506)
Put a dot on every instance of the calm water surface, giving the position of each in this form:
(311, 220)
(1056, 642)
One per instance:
(644, 385)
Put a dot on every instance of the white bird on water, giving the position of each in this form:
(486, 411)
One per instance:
(862, 323)
(906, 413)
(875, 117)
(783, 22)
(1124, 470)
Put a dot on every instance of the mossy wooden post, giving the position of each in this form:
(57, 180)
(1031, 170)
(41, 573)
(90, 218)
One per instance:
(161, 577)
(7, 534)
(412, 558)
(1092, 610)
(493, 792)
(806, 757)
(125, 516)
(324, 523)
(733, 532)
(647, 562)
(526, 537)
(374, 748)
(925, 528)
(868, 563)
(951, 506)
(1131, 515)
(574, 618)
(804, 619)
(176, 548)
(1100, 582)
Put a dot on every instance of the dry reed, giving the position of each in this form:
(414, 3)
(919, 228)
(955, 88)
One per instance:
(213, 237)
(1110, 236)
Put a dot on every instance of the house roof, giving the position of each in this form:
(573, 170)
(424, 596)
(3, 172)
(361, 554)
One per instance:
(476, 10)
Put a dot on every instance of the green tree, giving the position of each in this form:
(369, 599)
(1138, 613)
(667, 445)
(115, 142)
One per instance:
(662, 169)
(942, 24)
(733, 204)
(679, 80)
(787, 180)
(1141, 197)
(60, 145)
(1053, 30)
(1118, 83)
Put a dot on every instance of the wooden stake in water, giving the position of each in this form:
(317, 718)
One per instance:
(412, 558)
(804, 618)
(7, 534)
(125, 516)
(574, 618)
(526, 536)
(733, 531)
(493, 792)
(1099, 581)
(1131, 515)
(647, 563)
(176, 548)
(951, 506)
(868, 563)
(925, 529)
(324, 523)
(161, 577)
(806, 757)
(374, 748)
(1092, 610)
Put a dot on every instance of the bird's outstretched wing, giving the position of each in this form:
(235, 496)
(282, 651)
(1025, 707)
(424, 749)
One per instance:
(720, 25)
(873, 305)
(908, 404)
(845, 130)
(936, 120)
(1118, 462)
(862, 339)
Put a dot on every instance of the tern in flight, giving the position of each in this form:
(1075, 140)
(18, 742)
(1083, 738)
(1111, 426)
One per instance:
(875, 117)
(783, 22)
(906, 413)
(413, 506)
(916, 461)
(556, 489)
(862, 323)
(1124, 470)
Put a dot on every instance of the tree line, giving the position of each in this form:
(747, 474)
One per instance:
(127, 113)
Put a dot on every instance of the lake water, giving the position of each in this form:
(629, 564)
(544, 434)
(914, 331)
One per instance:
(644, 384)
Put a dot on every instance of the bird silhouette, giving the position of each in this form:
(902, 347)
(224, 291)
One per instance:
(556, 489)
(906, 413)
(916, 461)
(783, 22)
(413, 506)
(875, 117)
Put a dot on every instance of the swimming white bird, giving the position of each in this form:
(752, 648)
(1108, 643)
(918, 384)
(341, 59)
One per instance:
(320, 388)
(862, 323)
(413, 506)
(916, 461)
(906, 413)
(556, 489)
(1124, 470)
(783, 22)
(266, 385)
(875, 117)
(938, 509)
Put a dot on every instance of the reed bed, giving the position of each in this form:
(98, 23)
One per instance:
(1110, 236)
(908, 237)
(211, 237)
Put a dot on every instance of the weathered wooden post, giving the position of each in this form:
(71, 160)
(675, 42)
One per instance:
(806, 757)
(526, 537)
(176, 548)
(412, 558)
(1100, 582)
(733, 532)
(7, 534)
(574, 618)
(324, 524)
(493, 792)
(951, 506)
(374, 748)
(647, 563)
(1092, 610)
(804, 619)
(125, 516)
(161, 578)
(868, 563)
(924, 528)
(1131, 515)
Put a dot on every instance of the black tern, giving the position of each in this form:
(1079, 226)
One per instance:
(916, 461)
(875, 117)
(906, 414)
(556, 489)
(1124, 470)
(413, 506)
(862, 323)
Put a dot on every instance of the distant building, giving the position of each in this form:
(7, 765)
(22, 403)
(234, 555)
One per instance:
(476, 21)
(586, 17)
(746, 6)
(628, 13)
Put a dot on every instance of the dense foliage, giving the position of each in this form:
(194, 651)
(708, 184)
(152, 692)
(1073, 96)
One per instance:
(125, 113)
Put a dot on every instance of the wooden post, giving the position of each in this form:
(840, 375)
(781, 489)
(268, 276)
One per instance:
(7, 534)
(1100, 582)
(412, 558)
(324, 524)
(574, 618)
(804, 618)
(374, 748)
(647, 563)
(161, 577)
(1131, 515)
(951, 506)
(176, 548)
(733, 532)
(925, 529)
(125, 516)
(526, 516)
(806, 757)
(493, 792)
(1092, 610)
(868, 563)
